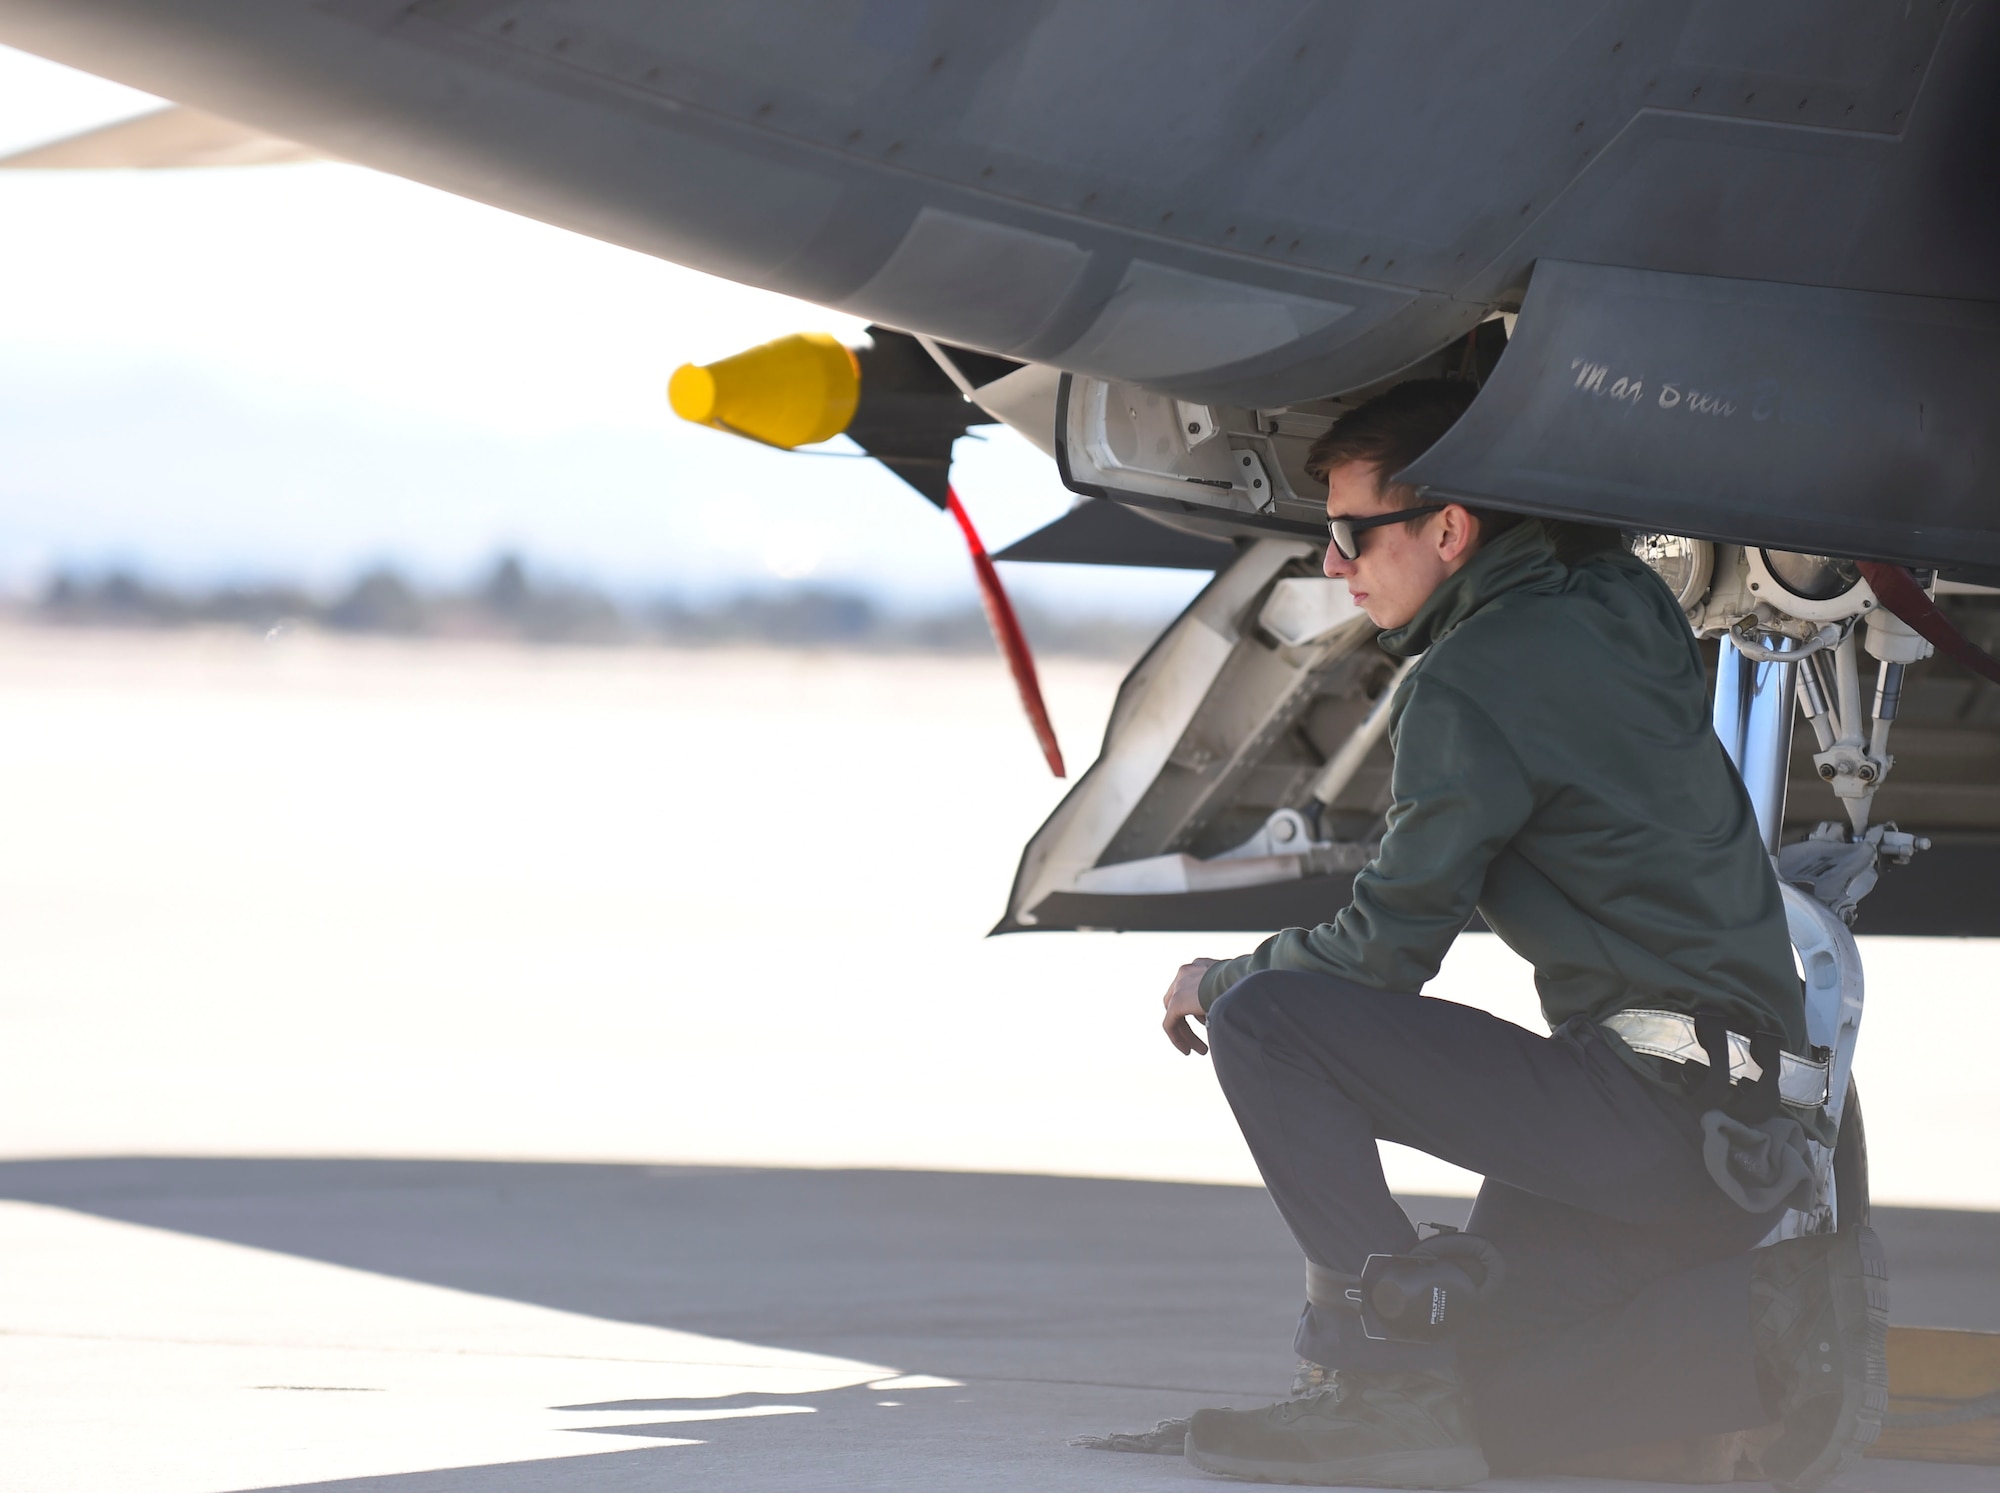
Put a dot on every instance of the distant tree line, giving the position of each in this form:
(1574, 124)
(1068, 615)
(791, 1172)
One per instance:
(508, 603)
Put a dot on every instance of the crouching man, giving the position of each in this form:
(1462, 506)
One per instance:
(1554, 769)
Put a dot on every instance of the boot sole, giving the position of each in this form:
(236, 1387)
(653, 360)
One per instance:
(1437, 1467)
(1859, 1273)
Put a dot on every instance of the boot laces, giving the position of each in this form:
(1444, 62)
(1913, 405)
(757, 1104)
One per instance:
(1318, 1402)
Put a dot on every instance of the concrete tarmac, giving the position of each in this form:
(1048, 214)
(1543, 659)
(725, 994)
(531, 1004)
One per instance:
(204, 1325)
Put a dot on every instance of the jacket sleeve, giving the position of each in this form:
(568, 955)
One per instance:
(1460, 794)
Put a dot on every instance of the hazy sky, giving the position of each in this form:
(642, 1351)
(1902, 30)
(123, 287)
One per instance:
(297, 370)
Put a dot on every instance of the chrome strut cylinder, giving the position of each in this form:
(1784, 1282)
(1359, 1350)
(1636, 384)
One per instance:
(1753, 716)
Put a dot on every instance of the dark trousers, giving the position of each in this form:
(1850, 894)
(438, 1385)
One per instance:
(1624, 1314)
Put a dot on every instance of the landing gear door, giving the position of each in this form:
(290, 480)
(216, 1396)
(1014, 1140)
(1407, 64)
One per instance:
(1244, 773)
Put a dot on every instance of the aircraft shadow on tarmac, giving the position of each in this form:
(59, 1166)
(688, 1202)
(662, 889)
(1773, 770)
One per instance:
(954, 1274)
(1056, 1303)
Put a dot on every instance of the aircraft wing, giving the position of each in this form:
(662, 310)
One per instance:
(168, 138)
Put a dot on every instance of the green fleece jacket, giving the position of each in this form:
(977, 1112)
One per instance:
(1555, 768)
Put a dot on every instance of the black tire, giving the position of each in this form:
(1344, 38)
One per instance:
(1850, 1165)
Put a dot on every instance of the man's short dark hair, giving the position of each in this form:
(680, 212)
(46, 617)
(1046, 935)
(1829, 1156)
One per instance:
(1393, 429)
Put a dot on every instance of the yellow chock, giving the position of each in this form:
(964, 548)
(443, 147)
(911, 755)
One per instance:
(1944, 1397)
(795, 391)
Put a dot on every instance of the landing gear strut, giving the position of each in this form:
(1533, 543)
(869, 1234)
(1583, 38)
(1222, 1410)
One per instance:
(1753, 716)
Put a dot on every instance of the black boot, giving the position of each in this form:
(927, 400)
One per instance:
(1369, 1430)
(1820, 1317)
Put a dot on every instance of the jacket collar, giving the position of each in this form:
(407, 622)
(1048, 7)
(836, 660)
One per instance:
(1518, 559)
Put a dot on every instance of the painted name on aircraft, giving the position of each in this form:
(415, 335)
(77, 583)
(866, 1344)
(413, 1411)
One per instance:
(1595, 380)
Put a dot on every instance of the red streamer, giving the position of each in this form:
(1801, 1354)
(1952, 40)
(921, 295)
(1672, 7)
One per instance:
(1007, 633)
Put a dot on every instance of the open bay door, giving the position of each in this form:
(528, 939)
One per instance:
(1245, 771)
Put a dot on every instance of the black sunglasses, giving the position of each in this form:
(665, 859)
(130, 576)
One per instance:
(1344, 530)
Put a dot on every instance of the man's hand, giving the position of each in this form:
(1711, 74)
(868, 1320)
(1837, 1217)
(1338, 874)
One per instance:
(1184, 1000)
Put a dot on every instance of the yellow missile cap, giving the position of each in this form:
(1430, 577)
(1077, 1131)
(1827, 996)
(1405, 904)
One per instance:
(792, 392)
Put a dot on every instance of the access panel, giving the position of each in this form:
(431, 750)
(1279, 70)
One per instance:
(1802, 418)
